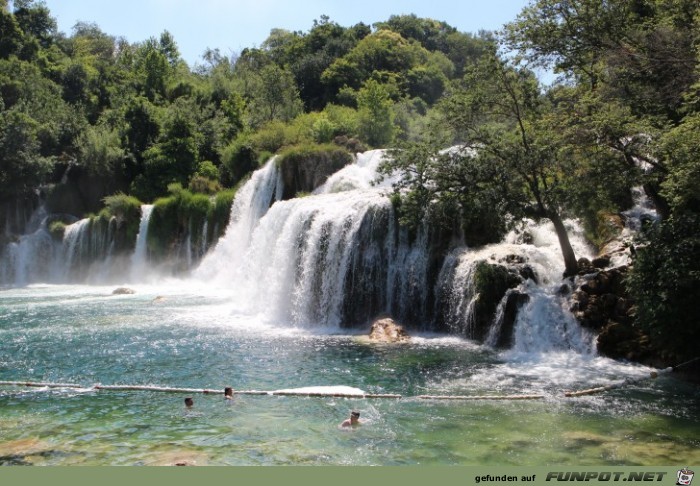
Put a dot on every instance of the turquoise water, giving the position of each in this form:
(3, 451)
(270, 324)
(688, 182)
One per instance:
(195, 338)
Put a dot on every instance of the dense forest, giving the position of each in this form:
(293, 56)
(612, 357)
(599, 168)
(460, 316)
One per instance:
(94, 123)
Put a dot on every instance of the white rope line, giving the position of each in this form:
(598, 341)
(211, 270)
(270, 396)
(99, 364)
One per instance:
(480, 397)
(291, 393)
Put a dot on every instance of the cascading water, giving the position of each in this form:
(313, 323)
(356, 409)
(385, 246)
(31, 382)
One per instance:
(31, 258)
(543, 323)
(335, 258)
(139, 260)
(250, 204)
(74, 241)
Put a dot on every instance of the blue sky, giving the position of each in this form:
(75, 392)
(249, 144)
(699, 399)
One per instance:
(236, 24)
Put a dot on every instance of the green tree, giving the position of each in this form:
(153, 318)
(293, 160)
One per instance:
(276, 96)
(11, 37)
(375, 115)
(100, 150)
(23, 167)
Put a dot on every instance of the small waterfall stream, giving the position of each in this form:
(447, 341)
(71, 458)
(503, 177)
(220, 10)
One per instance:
(139, 260)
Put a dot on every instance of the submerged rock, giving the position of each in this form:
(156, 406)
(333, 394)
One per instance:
(386, 330)
(123, 291)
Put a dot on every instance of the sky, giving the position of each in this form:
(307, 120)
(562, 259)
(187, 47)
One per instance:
(232, 25)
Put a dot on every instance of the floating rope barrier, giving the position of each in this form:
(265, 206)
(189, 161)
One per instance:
(336, 394)
(206, 391)
(613, 386)
(41, 385)
(480, 397)
(153, 389)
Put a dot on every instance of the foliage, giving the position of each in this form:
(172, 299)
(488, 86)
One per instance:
(122, 206)
(302, 153)
(57, 229)
(275, 96)
(183, 214)
(664, 281)
(126, 210)
(100, 150)
(375, 117)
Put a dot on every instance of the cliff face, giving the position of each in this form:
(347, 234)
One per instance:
(602, 302)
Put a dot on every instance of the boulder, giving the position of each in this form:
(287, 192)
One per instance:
(123, 291)
(386, 330)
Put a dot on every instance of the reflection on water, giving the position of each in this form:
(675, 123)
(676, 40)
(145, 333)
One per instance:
(193, 338)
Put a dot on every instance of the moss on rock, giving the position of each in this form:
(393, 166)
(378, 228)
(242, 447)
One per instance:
(305, 167)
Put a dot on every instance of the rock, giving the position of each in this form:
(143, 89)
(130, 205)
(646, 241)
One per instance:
(123, 291)
(584, 266)
(513, 259)
(579, 301)
(386, 330)
(619, 341)
(601, 262)
(514, 301)
(564, 289)
(304, 171)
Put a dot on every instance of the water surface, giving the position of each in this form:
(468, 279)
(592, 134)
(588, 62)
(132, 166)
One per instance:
(195, 338)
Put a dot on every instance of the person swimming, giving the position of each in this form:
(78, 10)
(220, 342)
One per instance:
(353, 420)
(228, 393)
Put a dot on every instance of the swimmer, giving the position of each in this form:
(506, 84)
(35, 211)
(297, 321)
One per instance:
(189, 403)
(228, 393)
(353, 420)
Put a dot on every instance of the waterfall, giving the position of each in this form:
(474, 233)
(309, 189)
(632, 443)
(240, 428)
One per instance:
(32, 258)
(456, 291)
(543, 322)
(74, 242)
(334, 258)
(139, 259)
(251, 202)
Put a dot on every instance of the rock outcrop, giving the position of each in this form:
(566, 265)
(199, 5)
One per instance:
(386, 330)
(303, 171)
(601, 302)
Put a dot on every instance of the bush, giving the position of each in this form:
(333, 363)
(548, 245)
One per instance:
(323, 130)
(57, 229)
(220, 212)
(208, 170)
(126, 210)
(240, 158)
(203, 185)
(664, 283)
(122, 207)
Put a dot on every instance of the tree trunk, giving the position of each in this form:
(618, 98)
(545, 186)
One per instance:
(566, 249)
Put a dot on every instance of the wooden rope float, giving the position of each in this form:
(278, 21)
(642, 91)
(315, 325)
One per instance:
(165, 389)
(613, 386)
(331, 394)
(480, 397)
(206, 391)
(41, 385)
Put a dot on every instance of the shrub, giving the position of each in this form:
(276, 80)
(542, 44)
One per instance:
(57, 229)
(664, 284)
